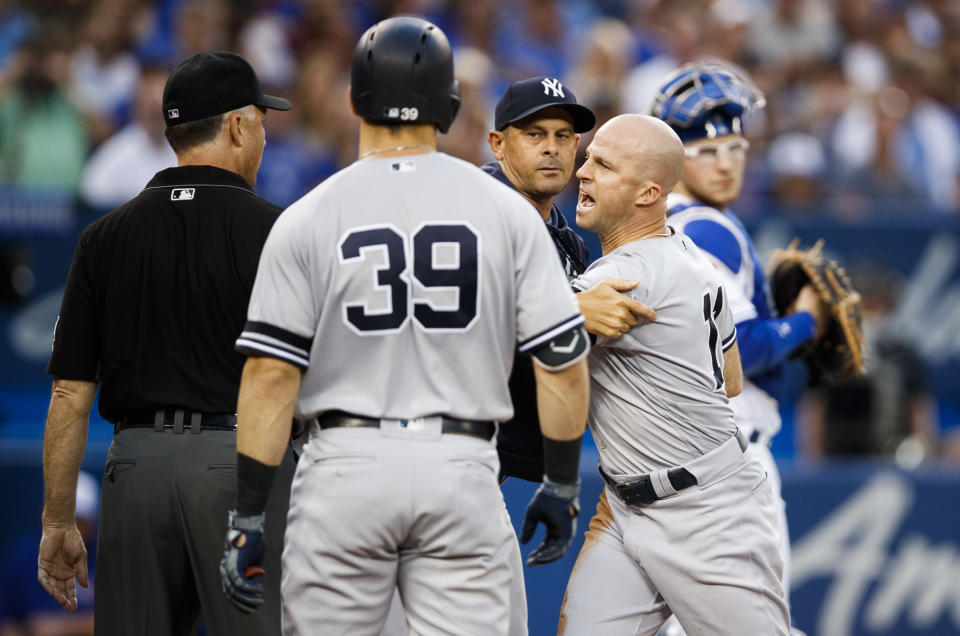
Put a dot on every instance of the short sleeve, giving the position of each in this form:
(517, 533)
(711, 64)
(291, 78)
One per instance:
(281, 319)
(725, 322)
(594, 274)
(76, 338)
(721, 246)
(546, 306)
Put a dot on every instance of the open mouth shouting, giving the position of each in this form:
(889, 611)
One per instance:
(585, 202)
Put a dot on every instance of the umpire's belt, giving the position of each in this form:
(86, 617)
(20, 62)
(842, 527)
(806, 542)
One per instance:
(703, 471)
(473, 428)
(177, 420)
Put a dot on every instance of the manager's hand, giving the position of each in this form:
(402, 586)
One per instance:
(610, 313)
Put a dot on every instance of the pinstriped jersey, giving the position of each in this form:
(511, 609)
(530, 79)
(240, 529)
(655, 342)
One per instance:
(657, 394)
(402, 286)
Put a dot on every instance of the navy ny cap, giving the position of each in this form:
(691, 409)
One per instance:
(526, 97)
(207, 84)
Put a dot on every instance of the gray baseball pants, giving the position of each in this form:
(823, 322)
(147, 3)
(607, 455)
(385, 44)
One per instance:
(374, 510)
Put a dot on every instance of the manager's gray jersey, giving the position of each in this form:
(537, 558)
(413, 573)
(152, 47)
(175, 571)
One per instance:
(657, 397)
(402, 286)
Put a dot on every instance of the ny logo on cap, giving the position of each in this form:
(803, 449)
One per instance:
(554, 85)
(173, 113)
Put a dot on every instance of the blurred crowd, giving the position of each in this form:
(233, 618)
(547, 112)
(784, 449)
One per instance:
(863, 96)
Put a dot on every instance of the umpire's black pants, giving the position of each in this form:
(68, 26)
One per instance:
(163, 517)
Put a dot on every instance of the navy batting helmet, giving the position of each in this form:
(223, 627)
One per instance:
(705, 99)
(403, 73)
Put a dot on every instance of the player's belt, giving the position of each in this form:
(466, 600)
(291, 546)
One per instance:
(177, 420)
(473, 428)
(651, 487)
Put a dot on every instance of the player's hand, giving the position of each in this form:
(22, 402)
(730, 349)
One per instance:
(241, 567)
(809, 301)
(609, 313)
(557, 507)
(61, 563)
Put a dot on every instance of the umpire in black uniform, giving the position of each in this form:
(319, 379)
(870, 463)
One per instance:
(156, 295)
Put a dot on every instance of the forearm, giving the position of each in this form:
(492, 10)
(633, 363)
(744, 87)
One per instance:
(765, 344)
(732, 371)
(562, 400)
(268, 394)
(64, 440)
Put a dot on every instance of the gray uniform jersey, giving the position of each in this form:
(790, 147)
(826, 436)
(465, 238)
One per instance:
(411, 312)
(657, 397)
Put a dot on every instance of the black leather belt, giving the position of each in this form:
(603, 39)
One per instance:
(641, 492)
(473, 428)
(177, 420)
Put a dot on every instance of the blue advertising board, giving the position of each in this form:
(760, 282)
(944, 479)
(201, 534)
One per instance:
(876, 550)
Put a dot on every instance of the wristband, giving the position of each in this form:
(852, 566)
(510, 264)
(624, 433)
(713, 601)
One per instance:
(561, 460)
(254, 480)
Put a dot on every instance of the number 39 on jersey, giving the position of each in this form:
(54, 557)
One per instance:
(442, 258)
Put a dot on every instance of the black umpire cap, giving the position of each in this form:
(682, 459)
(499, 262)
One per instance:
(526, 97)
(207, 84)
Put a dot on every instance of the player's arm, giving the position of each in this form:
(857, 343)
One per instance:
(767, 343)
(563, 396)
(282, 309)
(764, 343)
(268, 393)
(732, 371)
(610, 313)
(74, 363)
(63, 558)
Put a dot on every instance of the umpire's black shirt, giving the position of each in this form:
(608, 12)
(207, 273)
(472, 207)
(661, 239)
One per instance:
(158, 292)
(519, 443)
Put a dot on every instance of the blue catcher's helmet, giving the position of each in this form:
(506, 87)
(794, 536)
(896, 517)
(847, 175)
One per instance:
(705, 99)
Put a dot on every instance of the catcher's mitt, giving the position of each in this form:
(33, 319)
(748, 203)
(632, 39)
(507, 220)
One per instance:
(839, 353)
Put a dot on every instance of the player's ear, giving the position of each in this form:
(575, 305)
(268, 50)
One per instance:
(353, 108)
(495, 139)
(648, 194)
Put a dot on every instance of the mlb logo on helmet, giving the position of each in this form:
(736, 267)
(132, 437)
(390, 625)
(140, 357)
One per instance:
(182, 194)
(173, 113)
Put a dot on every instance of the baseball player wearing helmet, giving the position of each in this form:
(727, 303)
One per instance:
(705, 104)
(683, 525)
(387, 305)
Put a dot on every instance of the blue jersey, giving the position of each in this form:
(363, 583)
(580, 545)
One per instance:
(765, 340)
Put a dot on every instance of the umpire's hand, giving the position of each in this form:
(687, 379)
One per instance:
(557, 506)
(61, 563)
(241, 567)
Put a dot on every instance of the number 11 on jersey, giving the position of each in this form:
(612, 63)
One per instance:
(711, 311)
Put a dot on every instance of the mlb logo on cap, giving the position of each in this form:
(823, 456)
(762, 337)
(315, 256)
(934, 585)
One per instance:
(209, 83)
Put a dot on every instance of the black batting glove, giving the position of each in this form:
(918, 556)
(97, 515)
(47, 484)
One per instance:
(241, 568)
(556, 506)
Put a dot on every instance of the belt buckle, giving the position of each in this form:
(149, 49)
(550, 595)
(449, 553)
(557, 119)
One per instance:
(415, 428)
